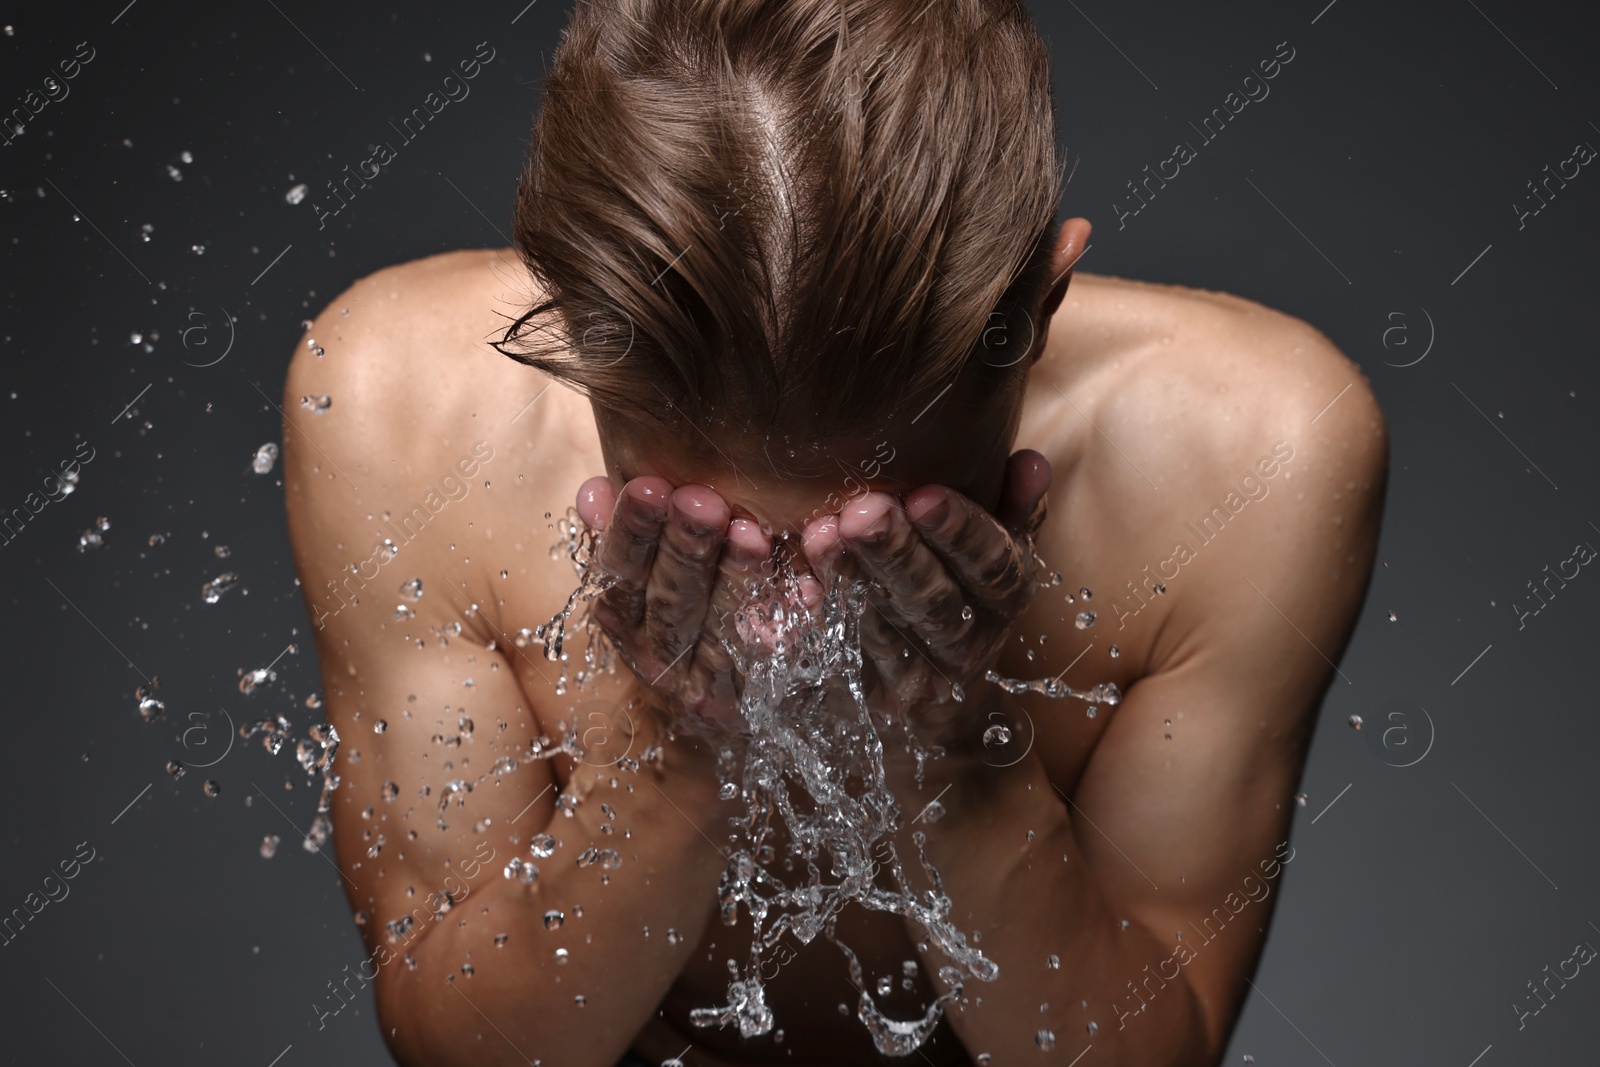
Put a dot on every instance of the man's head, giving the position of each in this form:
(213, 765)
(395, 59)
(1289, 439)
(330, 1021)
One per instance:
(794, 248)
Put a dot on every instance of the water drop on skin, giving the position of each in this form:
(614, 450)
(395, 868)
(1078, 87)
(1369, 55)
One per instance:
(1116, 653)
(1094, 1028)
(553, 919)
(380, 726)
(1053, 962)
(1046, 1040)
(1084, 594)
(1084, 619)
(561, 955)
(995, 736)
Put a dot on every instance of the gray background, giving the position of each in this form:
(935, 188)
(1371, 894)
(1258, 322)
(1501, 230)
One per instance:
(1383, 164)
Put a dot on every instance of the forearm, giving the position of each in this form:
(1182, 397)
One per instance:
(627, 934)
(1030, 901)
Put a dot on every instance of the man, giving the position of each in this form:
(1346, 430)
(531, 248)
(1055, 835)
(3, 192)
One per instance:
(798, 263)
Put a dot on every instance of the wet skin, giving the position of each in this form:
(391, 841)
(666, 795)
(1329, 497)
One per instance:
(1149, 404)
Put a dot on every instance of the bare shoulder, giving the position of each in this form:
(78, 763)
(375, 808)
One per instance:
(400, 347)
(388, 389)
(1179, 413)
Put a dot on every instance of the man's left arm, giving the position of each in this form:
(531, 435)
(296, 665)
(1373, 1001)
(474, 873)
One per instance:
(1153, 885)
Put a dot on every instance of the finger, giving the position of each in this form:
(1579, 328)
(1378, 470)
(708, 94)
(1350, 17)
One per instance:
(822, 548)
(986, 561)
(921, 590)
(597, 498)
(1023, 504)
(679, 587)
(629, 545)
(744, 554)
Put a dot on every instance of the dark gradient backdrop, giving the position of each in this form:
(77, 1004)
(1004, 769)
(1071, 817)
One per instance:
(1373, 193)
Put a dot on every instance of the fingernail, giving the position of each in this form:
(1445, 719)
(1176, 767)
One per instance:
(935, 515)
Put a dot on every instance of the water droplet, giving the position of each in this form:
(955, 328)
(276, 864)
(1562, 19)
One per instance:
(403, 613)
(1091, 711)
(213, 787)
(673, 937)
(959, 694)
(933, 812)
(553, 919)
(1161, 589)
(91, 538)
(1393, 617)
(1053, 962)
(175, 769)
(728, 791)
(186, 156)
(380, 726)
(1355, 722)
(412, 590)
(212, 591)
(995, 736)
(174, 173)
(1116, 653)
(1084, 619)
(264, 458)
(966, 612)
(144, 232)
(543, 846)
(1046, 1040)
(1094, 1028)
(317, 405)
(389, 790)
(580, 1000)
(524, 872)
(1249, 1059)
(269, 846)
(1300, 799)
(296, 193)
(250, 681)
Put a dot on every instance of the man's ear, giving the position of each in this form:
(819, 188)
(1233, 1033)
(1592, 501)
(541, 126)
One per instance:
(1071, 243)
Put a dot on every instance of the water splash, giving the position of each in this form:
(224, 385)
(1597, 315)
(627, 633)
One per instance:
(813, 763)
(1105, 693)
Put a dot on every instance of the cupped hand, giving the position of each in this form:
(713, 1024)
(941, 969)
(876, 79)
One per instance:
(951, 580)
(682, 569)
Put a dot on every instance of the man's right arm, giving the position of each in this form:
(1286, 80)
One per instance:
(468, 968)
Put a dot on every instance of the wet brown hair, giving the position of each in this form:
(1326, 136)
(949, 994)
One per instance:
(800, 215)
